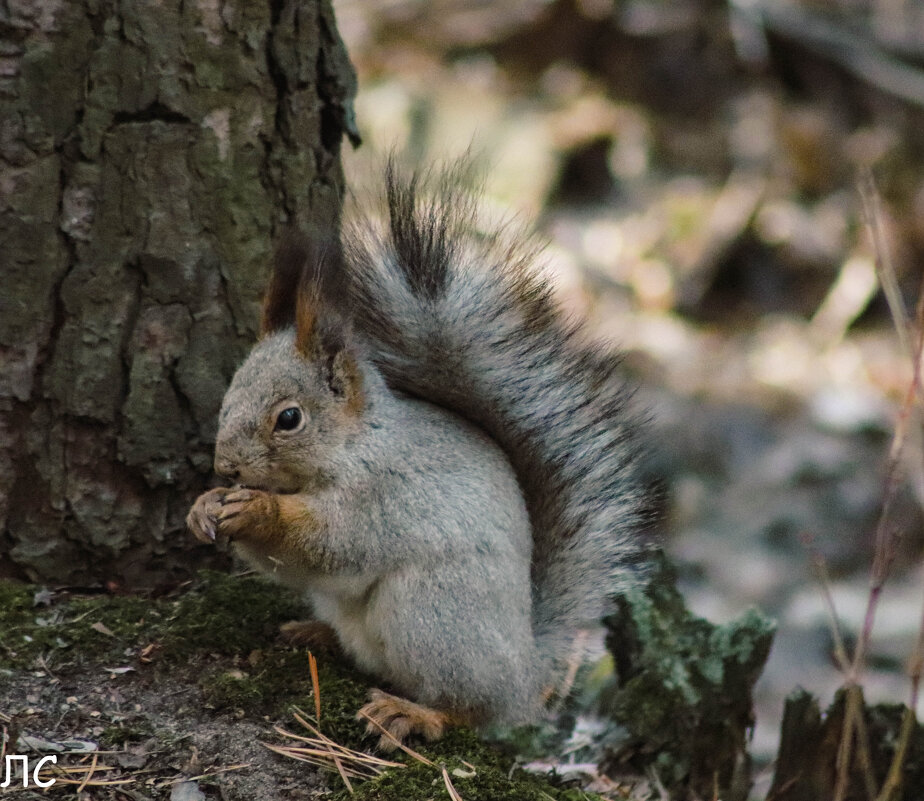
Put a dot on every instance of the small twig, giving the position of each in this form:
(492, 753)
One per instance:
(44, 666)
(321, 751)
(321, 758)
(300, 717)
(62, 773)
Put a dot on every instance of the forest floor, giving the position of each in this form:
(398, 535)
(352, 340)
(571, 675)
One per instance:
(179, 698)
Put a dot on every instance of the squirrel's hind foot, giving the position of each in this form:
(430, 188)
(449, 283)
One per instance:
(400, 717)
(311, 634)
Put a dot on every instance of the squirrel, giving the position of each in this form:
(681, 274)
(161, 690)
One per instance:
(425, 446)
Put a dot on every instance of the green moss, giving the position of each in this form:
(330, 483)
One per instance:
(343, 693)
(227, 615)
(221, 615)
(234, 691)
(268, 684)
(84, 629)
(136, 730)
(475, 770)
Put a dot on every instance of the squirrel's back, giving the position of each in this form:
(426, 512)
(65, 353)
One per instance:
(460, 318)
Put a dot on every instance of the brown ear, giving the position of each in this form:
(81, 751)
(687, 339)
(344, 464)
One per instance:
(346, 380)
(322, 336)
(308, 273)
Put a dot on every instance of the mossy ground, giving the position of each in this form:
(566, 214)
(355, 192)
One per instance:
(190, 684)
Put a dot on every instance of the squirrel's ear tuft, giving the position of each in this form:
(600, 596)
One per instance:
(321, 314)
(309, 333)
(288, 265)
(307, 274)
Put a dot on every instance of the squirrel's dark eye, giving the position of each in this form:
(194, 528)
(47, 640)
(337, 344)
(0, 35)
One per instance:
(288, 419)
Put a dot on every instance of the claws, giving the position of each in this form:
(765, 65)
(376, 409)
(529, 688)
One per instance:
(213, 511)
(400, 717)
(202, 519)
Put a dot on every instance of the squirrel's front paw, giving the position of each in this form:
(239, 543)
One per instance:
(202, 519)
(247, 513)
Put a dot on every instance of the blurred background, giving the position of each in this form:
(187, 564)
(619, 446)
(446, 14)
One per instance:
(715, 181)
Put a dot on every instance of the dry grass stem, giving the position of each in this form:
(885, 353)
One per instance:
(892, 787)
(90, 773)
(854, 736)
(326, 754)
(885, 269)
(204, 775)
(84, 776)
(301, 718)
(397, 743)
(821, 574)
(453, 793)
(315, 685)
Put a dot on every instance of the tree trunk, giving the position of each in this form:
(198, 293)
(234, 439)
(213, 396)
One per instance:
(149, 149)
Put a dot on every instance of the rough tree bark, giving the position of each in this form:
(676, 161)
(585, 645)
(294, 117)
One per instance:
(149, 149)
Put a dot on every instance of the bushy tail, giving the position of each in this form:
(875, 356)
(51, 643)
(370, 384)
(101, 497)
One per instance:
(459, 318)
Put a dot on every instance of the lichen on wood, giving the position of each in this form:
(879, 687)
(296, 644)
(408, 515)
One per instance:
(683, 688)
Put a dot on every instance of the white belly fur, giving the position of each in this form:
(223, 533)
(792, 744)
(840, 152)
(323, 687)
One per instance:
(347, 611)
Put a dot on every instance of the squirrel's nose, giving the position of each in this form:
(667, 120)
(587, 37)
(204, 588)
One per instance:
(226, 468)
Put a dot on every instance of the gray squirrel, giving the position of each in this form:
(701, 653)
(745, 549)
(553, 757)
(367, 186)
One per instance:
(446, 467)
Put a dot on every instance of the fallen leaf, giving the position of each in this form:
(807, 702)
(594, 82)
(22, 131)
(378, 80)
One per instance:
(463, 774)
(102, 629)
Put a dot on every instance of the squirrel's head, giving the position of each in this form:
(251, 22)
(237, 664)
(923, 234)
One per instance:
(299, 395)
